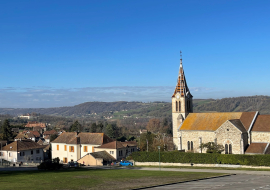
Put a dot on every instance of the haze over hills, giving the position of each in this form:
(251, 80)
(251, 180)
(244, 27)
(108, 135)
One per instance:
(153, 109)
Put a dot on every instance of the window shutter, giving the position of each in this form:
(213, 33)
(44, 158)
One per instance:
(69, 148)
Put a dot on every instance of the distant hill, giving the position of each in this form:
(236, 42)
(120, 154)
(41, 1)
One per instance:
(153, 109)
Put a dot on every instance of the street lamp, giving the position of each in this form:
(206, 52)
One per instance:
(159, 156)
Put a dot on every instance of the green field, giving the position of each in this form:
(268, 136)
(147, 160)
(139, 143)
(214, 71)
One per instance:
(92, 179)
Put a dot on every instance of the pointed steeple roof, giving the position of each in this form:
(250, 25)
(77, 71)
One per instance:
(181, 86)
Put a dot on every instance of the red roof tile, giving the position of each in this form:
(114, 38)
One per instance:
(262, 123)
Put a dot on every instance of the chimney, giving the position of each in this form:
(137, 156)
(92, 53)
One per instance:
(78, 140)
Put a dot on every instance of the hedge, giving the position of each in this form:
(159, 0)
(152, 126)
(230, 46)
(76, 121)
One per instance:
(205, 158)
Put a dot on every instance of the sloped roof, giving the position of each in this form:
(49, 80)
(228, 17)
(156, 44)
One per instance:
(129, 143)
(102, 154)
(181, 86)
(262, 123)
(36, 133)
(112, 145)
(238, 124)
(22, 145)
(246, 118)
(85, 138)
(256, 148)
(208, 121)
(21, 136)
(50, 132)
(40, 142)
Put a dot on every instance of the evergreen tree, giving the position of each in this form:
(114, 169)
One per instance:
(76, 126)
(6, 130)
(93, 128)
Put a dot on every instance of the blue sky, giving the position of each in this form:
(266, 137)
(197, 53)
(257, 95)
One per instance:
(62, 53)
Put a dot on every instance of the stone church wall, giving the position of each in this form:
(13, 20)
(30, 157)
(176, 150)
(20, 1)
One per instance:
(194, 136)
(260, 136)
(227, 133)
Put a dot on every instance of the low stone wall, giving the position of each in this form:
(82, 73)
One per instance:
(198, 165)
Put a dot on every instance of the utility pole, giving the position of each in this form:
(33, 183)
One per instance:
(159, 156)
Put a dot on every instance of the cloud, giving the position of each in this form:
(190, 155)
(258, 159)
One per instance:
(43, 97)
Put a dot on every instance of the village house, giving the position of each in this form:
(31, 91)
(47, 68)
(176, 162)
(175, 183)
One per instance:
(33, 124)
(22, 151)
(71, 146)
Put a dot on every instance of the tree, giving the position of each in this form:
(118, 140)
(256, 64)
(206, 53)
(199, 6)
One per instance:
(53, 137)
(110, 131)
(93, 128)
(212, 147)
(147, 138)
(6, 130)
(122, 139)
(76, 126)
(153, 125)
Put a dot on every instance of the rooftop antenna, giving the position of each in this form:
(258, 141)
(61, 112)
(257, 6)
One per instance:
(181, 57)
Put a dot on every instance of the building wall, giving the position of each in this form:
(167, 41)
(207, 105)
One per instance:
(194, 136)
(62, 153)
(23, 156)
(115, 153)
(260, 136)
(176, 117)
(227, 133)
(89, 149)
(91, 161)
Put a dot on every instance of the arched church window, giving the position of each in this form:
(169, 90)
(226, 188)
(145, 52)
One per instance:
(179, 106)
(230, 149)
(191, 145)
(176, 106)
(226, 149)
(188, 145)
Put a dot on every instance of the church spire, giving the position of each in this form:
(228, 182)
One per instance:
(181, 86)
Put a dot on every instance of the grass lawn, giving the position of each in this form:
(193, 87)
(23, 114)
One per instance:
(92, 179)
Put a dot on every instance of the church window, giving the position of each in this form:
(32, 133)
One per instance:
(230, 149)
(226, 149)
(179, 106)
(188, 145)
(176, 108)
(191, 145)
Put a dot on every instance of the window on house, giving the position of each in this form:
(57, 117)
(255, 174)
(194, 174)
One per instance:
(176, 104)
(215, 140)
(31, 151)
(37, 151)
(65, 160)
(20, 153)
(226, 149)
(71, 148)
(188, 145)
(1, 153)
(23, 154)
(10, 154)
(57, 147)
(230, 149)
(85, 149)
(65, 147)
(191, 145)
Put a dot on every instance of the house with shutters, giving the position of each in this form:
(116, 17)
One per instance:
(23, 151)
(71, 146)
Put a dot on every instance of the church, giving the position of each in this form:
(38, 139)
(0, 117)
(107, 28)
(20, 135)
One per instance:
(238, 132)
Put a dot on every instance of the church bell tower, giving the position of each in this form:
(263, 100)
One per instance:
(181, 104)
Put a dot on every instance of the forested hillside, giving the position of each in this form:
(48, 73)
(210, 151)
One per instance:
(153, 109)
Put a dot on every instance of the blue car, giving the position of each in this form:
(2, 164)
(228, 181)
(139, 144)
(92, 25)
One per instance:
(126, 163)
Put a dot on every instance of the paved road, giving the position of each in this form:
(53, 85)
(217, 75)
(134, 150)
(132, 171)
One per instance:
(239, 182)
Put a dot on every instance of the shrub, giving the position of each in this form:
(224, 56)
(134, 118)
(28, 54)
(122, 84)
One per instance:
(202, 158)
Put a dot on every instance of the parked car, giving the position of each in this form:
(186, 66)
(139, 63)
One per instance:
(126, 163)
(72, 164)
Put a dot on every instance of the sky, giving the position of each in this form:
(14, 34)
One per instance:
(63, 53)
